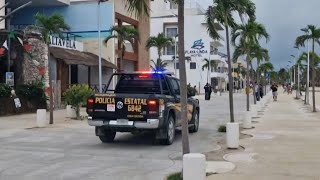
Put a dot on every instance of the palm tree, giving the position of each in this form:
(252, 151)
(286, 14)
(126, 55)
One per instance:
(123, 34)
(314, 36)
(249, 35)
(159, 65)
(222, 12)
(265, 68)
(140, 7)
(210, 65)
(160, 42)
(50, 25)
(302, 62)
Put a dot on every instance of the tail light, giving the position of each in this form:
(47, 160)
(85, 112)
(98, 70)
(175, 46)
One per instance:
(90, 103)
(152, 106)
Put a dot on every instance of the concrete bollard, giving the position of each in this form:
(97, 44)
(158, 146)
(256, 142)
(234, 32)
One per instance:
(41, 118)
(194, 166)
(233, 135)
(254, 111)
(247, 122)
(71, 113)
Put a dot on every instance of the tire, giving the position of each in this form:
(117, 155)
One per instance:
(170, 130)
(108, 137)
(195, 123)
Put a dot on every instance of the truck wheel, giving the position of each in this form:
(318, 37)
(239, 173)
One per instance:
(108, 137)
(195, 123)
(170, 130)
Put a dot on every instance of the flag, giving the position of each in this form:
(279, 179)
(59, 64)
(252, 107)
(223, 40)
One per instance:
(20, 40)
(5, 44)
(11, 35)
(2, 51)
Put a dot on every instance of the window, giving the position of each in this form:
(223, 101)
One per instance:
(175, 86)
(165, 87)
(177, 65)
(171, 32)
(193, 65)
(138, 84)
(170, 50)
(173, 5)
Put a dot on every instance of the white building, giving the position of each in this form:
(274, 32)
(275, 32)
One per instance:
(198, 44)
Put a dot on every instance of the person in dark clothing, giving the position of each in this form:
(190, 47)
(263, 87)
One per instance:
(207, 91)
(274, 89)
(261, 91)
(210, 91)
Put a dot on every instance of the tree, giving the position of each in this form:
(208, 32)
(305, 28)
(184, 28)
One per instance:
(249, 35)
(123, 34)
(223, 12)
(283, 75)
(314, 36)
(266, 67)
(140, 7)
(210, 65)
(50, 25)
(160, 42)
(159, 65)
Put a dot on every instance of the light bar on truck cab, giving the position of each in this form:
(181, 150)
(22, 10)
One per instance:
(152, 72)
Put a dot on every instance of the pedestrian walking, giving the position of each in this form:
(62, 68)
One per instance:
(274, 89)
(207, 91)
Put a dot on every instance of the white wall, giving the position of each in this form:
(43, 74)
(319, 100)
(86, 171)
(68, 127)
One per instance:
(2, 13)
(128, 66)
(195, 29)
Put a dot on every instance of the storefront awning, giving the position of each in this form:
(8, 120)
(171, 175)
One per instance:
(75, 57)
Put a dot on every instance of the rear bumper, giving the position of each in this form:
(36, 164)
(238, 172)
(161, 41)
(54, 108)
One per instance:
(112, 124)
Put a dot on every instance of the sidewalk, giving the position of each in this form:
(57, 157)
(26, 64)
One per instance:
(285, 145)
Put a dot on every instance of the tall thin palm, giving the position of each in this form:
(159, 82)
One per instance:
(210, 66)
(140, 7)
(123, 34)
(223, 12)
(248, 35)
(50, 25)
(314, 36)
(159, 65)
(160, 42)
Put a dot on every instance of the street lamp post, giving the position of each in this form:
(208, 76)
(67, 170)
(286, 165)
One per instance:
(99, 39)
(175, 55)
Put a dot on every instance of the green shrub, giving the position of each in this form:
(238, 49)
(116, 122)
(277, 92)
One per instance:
(175, 176)
(5, 90)
(33, 91)
(76, 96)
(191, 91)
(222, 128)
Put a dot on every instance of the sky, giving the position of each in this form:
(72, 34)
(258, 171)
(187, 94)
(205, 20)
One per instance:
(283, 20)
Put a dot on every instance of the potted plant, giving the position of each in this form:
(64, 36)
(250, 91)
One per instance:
(75, 97)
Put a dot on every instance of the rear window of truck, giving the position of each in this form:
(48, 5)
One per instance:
(139, 84)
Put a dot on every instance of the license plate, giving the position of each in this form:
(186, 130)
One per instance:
(121, 122)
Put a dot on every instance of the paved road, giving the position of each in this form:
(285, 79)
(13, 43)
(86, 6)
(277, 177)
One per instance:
(70, 150)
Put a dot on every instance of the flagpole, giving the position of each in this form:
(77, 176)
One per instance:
(9, 39)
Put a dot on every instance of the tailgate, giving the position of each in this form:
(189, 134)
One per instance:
(121, 106)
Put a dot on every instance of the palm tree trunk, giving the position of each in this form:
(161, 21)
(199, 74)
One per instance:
(248, 84)
(313, 80)
(50, 92)
(254, 85)
(258, 77)
(183, 80)
(121, 60)
(230, 77)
